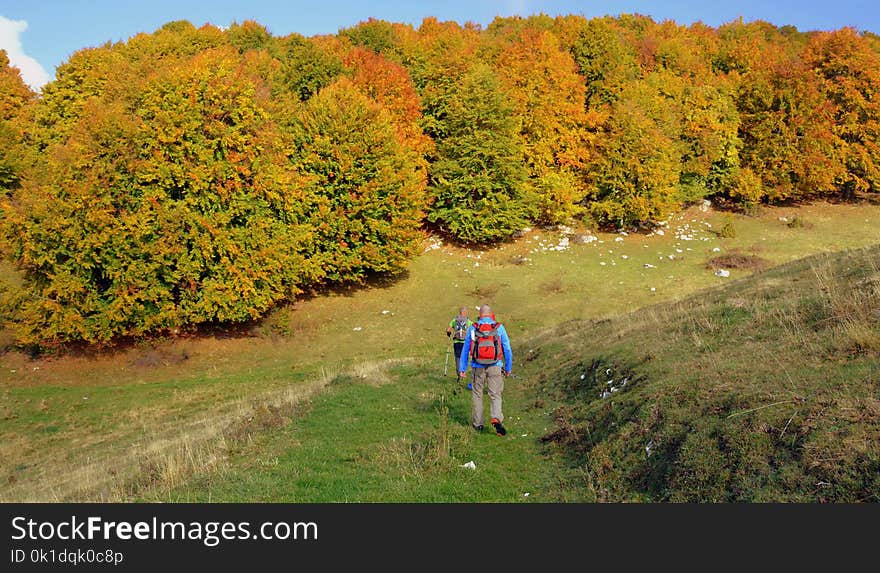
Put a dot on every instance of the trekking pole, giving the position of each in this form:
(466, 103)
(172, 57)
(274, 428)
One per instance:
(446, 364)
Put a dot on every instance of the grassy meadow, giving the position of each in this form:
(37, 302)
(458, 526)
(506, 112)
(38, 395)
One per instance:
(341, 396)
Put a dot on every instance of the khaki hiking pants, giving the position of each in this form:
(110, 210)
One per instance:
(493, 378)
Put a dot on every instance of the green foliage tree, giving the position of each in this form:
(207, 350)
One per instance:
(305, 67)
(365, 189)
(480, 185)
(606, 61)
(249, 35)
(376, 35)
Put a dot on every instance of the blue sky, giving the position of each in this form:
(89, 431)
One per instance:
(41, 34)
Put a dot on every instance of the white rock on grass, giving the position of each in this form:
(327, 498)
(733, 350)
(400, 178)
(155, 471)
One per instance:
(722, 273)
(716, 250)
(470, 465)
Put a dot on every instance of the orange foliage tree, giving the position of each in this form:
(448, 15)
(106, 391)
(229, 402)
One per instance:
(548, 96)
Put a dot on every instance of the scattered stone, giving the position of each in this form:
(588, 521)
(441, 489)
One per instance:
(581, 239)
(433, 244)
(722, 273)
(470, 465)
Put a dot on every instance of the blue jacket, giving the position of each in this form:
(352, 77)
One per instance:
(506, 363)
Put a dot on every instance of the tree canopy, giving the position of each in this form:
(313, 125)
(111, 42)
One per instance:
(197, 175)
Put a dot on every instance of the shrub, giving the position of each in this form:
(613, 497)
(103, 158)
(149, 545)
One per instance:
(727, 231)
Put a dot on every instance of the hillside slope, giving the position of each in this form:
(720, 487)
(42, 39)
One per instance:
(766, 389)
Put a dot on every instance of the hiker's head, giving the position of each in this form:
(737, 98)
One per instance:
(485, 311)
(462, 311)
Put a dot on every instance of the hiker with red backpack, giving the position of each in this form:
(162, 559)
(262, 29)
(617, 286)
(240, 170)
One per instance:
(487, 349)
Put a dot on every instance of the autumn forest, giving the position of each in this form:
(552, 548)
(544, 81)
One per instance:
(199, 175)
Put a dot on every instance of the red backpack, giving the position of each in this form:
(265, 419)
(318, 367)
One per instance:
(486, 348)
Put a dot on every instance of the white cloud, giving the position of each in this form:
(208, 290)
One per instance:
(32, 72)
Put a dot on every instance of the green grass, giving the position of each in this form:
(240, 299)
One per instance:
(163, 411)
(765, 390)
(404, 440)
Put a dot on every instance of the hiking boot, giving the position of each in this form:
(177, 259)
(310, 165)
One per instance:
(499, 429)
(479, 428)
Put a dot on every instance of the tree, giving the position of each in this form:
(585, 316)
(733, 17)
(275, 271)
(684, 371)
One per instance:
(788, 145)
(480, 185)
(606, 61)
(249, 35)
(636, 178)
(375, 35)
(165, 210)
(305, 67)
(15, 102)
(365, 189)
(548, 96)
(389, 85)
(849, 72)
(787, 131)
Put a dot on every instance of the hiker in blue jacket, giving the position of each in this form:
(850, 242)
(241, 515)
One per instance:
(487, 349)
